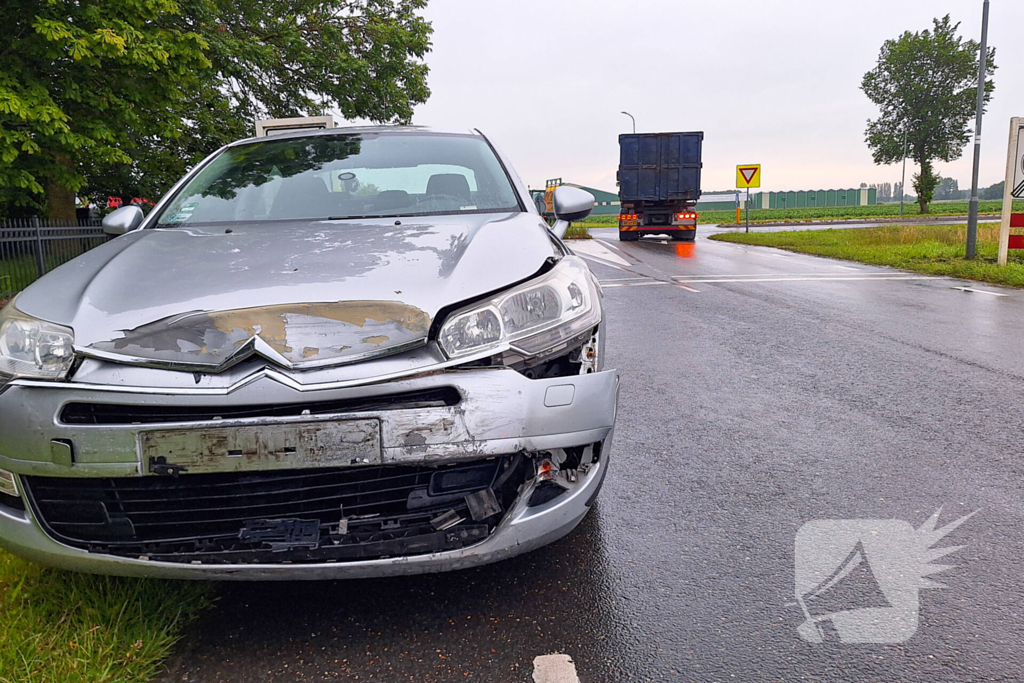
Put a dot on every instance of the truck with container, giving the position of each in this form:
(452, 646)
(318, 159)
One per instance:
(659, 184)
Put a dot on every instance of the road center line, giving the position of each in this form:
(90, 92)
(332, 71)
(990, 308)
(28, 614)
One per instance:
(980, 291)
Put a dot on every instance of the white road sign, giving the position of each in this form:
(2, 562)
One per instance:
(1018, 176)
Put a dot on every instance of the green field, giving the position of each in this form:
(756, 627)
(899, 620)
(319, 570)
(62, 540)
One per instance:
(60, 627)
(829, 213)
(932, 249)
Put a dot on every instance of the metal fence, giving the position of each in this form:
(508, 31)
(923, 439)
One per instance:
(30, 248)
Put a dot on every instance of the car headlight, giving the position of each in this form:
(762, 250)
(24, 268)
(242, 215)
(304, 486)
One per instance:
(33, 348)
(530, 318)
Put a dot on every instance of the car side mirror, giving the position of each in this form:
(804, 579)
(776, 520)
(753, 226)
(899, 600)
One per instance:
(571, 204)
(125, 219)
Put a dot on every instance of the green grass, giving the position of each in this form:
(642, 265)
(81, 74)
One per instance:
(836, 213)
(17, 273)
(932, 249)
(62, 627)
(577, 231)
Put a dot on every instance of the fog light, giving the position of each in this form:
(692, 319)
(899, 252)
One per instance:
(7, 483)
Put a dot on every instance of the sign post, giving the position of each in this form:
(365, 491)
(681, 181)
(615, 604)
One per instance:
(748, 176)
(1014, 188)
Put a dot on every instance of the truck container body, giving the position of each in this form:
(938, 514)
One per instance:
(659, 184)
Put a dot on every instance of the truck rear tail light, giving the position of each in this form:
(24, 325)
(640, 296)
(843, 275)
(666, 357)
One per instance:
(629, 219)
(686, 216)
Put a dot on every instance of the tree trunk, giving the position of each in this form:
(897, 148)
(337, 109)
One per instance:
(60, 202)
(923, 205)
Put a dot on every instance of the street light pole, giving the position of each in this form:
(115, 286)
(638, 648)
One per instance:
(972, 213)
(903, 182)
(634, 120)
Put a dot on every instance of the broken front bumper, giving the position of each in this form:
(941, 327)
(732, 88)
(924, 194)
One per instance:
(499, 413)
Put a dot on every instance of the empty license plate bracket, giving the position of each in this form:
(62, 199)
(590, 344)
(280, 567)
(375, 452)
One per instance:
(244, 448)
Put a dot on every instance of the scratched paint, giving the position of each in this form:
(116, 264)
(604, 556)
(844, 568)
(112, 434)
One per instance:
(302, 332)
(239, 448)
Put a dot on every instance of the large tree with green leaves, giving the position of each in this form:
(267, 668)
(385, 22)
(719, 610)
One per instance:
(925, 85)
(77, 81)
(232, 61)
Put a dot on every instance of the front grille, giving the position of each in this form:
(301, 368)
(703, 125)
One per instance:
(361, 513)
(117, 414)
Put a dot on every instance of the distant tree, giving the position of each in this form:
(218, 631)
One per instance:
(948, 188)
(884, 190)
(897, 191)
(925, 85)
(993, 191)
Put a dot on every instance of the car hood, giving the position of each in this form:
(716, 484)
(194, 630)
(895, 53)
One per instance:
(303, 294)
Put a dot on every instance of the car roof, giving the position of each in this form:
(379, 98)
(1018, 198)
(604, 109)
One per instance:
(356, 130)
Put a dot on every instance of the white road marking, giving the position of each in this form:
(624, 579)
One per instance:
(596, 249)
(636, 284)
(980, 291)
(611, 246)
(624, 279)
(554, 669)
(690, 289)
(602, 262)
(806, 280)
(883, 275)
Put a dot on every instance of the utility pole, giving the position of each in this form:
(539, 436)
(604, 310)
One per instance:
(903, 182)
(634, 120)
(972, 212)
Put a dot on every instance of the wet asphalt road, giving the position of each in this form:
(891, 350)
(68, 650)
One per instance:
(760, 390)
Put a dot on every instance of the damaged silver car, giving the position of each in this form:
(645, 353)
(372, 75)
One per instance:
(338, 353)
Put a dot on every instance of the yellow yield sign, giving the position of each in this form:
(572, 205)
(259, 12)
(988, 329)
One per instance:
(748, 175)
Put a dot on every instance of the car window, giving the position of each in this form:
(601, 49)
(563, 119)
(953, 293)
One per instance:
(345, 176)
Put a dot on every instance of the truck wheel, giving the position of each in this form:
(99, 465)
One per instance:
(628, 236)
(683, 235)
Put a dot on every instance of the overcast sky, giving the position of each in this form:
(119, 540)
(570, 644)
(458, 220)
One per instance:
(775, 82)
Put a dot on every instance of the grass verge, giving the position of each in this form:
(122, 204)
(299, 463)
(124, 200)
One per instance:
(932, 249)
(828, 213)
(61, 627)
(577, 231)
(839, 213)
